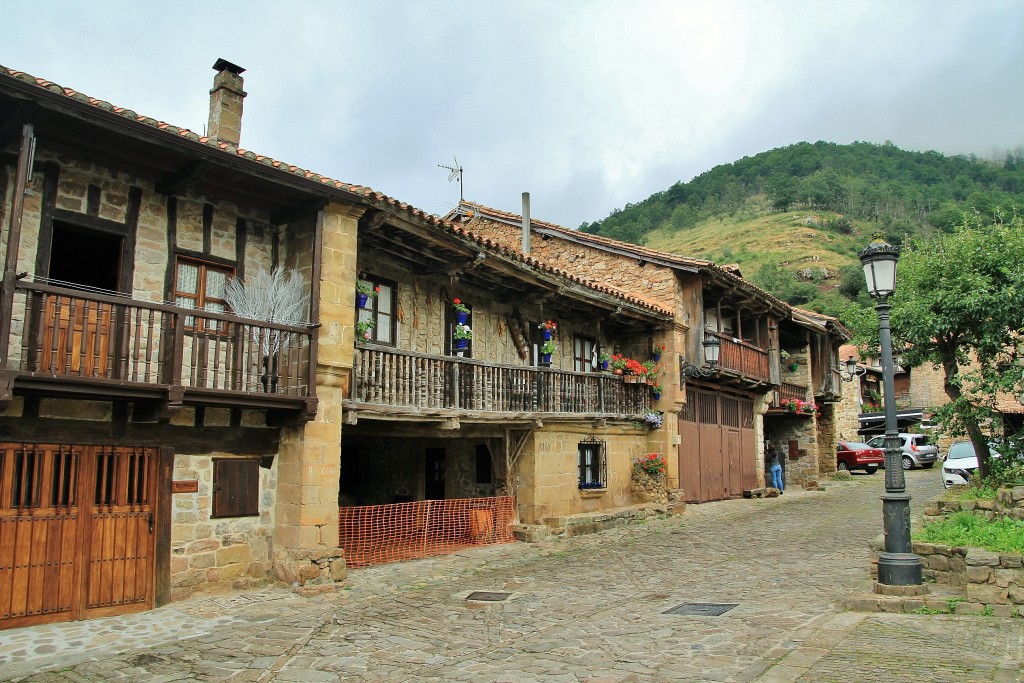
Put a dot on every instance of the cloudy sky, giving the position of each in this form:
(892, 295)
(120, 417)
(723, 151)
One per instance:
(586, 105)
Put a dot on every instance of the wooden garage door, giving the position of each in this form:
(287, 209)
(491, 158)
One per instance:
(76, 531)
(717, 452)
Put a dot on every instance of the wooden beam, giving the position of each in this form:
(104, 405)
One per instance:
(188, 176)
(296, 213)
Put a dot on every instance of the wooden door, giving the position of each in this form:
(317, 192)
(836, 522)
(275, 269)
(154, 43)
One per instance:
(76, 532)
(717, 453)
(76, 337)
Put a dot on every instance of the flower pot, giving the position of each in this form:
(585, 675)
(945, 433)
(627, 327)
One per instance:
(655, 395)
(547, 335)
(604, 365)
(545, 358)
(461, 343)
(617, 371)
(631, 379)
(461, 318)
(656, 356)
(361, 299)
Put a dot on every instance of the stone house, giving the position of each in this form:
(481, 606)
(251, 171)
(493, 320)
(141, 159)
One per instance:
(155, 443)
(770, 355)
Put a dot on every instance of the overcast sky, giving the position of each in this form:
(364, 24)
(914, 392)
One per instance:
(586, 105)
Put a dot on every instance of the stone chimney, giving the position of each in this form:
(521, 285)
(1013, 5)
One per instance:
(226, 103)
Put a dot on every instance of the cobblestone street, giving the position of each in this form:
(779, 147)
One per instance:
(585, 609)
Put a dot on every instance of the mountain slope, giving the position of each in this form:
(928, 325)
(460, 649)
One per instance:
(794, 218)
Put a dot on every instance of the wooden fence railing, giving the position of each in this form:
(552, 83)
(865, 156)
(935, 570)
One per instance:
(74, 335)
(392, 377)
(741, 357)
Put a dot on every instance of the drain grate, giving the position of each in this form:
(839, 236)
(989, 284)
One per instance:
(701, 609)
(485, 596)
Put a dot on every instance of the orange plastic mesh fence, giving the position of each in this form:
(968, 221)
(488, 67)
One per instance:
(375, 534)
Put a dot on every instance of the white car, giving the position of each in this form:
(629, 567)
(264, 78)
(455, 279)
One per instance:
(960, 463)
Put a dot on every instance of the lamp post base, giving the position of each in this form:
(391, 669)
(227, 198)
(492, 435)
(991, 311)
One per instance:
(899, 569)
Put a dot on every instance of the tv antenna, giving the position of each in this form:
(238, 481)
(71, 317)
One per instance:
(454, 172)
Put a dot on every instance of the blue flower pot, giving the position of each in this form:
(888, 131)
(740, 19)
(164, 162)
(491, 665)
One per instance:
(361, 300)
(547, 335)
(461, 344)
(604, 365)
(461, 317)
(545, 358)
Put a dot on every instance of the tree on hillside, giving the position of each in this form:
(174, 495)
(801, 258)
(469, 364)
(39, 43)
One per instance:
(959, 304)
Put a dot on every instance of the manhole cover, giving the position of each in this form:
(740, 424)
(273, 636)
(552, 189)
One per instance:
(485, 596)
(701, 609)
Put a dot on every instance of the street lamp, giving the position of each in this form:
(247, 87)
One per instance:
(897, 565)
(850, 371)
(712, 345)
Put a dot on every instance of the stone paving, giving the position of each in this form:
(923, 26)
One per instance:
(589, 609)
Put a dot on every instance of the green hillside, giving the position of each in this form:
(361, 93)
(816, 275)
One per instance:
(794, 218)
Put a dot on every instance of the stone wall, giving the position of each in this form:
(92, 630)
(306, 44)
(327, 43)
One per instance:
(421, 315)
(547, 479)
(218, 553)
(801, 429)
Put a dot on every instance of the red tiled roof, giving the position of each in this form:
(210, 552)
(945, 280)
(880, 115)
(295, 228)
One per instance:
(640, 251)
(366, 194)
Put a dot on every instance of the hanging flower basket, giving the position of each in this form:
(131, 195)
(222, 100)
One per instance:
(461, 311)
(364, 290)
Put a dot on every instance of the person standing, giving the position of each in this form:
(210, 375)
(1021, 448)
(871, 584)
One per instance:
(772, 461)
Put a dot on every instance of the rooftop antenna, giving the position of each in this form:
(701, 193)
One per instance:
(454, 172)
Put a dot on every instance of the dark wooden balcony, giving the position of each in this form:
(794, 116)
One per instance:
(71, 343)
(407, 382)
(742, 360)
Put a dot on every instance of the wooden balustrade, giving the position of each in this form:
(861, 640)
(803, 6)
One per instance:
(739, 356)
(788, 392)
(86, 337)
(392, 377)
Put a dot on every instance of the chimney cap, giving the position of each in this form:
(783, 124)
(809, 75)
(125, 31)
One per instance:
(224, 65)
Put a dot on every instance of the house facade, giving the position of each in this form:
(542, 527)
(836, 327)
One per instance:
(718, 417)
(157, 443)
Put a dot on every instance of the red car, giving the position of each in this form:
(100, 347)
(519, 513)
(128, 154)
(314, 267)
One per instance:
(854, 455)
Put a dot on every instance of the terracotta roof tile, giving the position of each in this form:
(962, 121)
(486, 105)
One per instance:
(664, 256)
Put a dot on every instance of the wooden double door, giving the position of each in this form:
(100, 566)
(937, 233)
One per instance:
(77, 531)
(717, 450)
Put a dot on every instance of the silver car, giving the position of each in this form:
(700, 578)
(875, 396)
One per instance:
(917, 450)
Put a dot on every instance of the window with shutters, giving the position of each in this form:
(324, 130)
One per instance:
(200, 285)
(236, 487)
(593, 464)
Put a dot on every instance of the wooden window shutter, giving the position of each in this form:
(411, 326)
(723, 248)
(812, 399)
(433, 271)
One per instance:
(236, 487)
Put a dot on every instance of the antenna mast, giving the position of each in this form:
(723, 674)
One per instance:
(454, 172)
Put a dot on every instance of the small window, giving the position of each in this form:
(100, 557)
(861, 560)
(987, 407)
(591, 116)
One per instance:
(584, 353)
(593, 464)
(236, 487)
(200, 285)
(380, 309)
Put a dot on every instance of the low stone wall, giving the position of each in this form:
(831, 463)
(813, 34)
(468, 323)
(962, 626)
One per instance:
(985, 576)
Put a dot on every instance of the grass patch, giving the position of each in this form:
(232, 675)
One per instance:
(977, 492)
(1002, 535)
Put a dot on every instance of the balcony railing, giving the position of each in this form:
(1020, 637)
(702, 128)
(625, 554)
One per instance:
(741, 357)
(396, 378)
(122, 346)
(788, 392)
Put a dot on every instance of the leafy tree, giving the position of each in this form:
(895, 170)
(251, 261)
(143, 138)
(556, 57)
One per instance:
(959, 304)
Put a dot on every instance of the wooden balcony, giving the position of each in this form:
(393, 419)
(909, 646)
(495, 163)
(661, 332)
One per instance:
(66, 342)
(741, 359)
(403, 382)
(788, 392)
